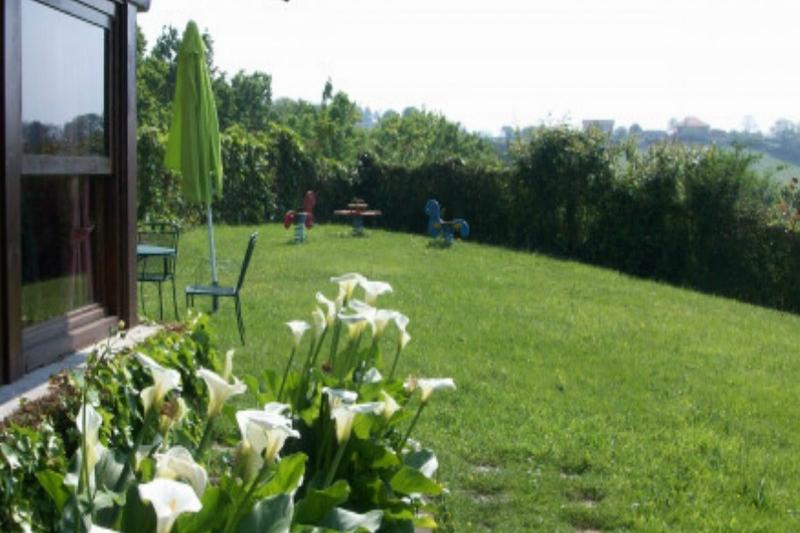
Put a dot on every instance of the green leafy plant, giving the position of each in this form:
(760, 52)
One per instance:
(157, 444)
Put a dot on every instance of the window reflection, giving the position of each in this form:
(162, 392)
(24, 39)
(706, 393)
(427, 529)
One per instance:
(63, 83)
(60, 240)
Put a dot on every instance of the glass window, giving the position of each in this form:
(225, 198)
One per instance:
(60, 240)
(63, 83)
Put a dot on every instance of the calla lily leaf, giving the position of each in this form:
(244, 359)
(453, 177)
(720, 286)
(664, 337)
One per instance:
(409, 480)
(287, 477)
(423, 460)
(343, 520)
(53, 483)
(211, 517)
(312, 509)
(270, 515)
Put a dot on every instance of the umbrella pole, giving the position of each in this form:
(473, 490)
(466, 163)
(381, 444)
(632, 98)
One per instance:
(214, 278)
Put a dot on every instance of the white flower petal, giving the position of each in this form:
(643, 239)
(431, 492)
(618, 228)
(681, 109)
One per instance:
(372, 376)
(347, 283)
(429, 385)
(170, 499)
(373, 289)
(320, 322)
(219, 390)
(339, 396)
(178, 463)
(390, 406)
(330, 308)
(228, 368)
(299, 328)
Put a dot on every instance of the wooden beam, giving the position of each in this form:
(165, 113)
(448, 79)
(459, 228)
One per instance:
(13, 362)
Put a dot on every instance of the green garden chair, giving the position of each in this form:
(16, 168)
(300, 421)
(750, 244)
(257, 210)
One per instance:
(156, 258)
(218, 291)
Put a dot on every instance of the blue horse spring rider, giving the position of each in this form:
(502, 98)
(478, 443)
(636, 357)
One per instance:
(446, 228)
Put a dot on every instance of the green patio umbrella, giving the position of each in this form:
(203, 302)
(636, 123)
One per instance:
(193, 148)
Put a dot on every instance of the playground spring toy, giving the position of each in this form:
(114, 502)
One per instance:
(444, 228)
(302, 220)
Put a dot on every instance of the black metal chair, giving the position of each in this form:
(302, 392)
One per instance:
(217, 291)
(158, 268)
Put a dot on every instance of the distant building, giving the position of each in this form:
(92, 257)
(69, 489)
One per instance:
(692, 129)
(606, 126)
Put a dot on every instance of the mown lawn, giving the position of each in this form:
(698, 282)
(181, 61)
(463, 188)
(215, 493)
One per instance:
(587, 400)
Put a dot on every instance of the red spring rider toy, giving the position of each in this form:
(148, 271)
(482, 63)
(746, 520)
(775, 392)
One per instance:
(302, 220)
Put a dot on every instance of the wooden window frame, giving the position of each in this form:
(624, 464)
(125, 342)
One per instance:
(21, 350)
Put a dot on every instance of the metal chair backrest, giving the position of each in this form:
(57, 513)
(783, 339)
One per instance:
(164, 234)
(251, 245)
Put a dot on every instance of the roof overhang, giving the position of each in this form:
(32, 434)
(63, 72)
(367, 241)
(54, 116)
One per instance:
(143, 5)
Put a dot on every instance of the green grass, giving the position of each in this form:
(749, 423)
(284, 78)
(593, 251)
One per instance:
(586, 399)
(780, 170)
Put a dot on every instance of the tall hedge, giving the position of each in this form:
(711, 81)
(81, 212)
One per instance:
(697, 217)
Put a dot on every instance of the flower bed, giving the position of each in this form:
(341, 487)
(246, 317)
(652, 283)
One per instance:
(157, 444)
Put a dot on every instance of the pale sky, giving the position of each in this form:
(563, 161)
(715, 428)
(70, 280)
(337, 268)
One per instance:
(489, 63)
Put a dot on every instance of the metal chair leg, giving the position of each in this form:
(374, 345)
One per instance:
(141, 297)
(160, 303)
(239, 319)
(175, 299)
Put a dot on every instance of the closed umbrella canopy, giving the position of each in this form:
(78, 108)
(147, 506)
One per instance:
(193, 148)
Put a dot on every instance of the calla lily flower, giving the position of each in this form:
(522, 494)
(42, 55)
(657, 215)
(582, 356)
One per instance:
(382, 319)
(265, 432)
(373, 289)
(170, 499)
(336, 397)
(390, 406)
(356, 324)
(91, 432)
(428, 386)
(320, 322)
(330, 308)
(227, 370)
(177, 463)
(164, 380)
(345, 415)
(347, 283)
(405, 338)
(299, 328)
(219, 390)
(372, 376)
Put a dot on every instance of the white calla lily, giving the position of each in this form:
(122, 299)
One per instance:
(405, 338)
(299, 328)
(91, 433)
(336, 397)
(320, 322)
(347, 283)
(178, 463)
(227, 370)
(382, 319)
(345, 415)
(265, 431)
(164, 380)
(219, 390)
(390, 406)
(372, 376)
(330, 308)
(373, 289)
(428, 386)
(170, 499)
(356, 324)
